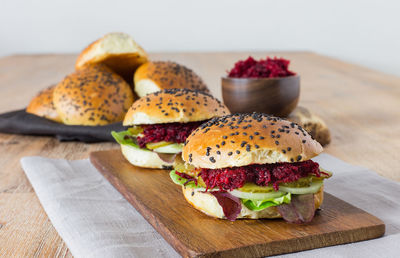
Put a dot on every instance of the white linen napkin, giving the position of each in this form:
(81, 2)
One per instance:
(96, 221)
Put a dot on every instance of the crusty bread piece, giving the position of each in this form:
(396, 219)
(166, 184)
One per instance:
(312, 123)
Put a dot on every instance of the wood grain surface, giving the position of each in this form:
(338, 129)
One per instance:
(360, 106)
(193, 234)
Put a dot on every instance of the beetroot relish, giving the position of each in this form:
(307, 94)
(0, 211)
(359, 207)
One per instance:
(170, 132)
(264, 68)
(263, 175)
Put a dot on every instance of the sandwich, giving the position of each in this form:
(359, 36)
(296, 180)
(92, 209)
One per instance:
(251, 166)
(159, 124)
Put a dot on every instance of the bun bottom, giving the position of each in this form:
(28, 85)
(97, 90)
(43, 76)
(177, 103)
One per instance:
(209, 205)
(143, 158)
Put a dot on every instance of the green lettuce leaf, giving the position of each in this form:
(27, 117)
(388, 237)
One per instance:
(181, 181)
(258, 205)
(120, 138)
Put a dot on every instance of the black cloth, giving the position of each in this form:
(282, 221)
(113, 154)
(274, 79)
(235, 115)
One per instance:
(21, 122)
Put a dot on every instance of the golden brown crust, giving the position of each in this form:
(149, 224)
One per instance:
(169, 75)
(312, 123)
(93, 95)
(208, 204)
(116, 50)
(244, 139)
(174, 105)
(42, 105)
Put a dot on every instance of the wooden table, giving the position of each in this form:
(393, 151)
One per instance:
(360, 106)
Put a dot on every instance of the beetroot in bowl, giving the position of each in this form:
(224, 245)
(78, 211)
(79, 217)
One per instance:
(264, 68)
(266, 86)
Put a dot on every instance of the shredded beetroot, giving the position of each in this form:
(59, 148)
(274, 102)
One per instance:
(263, 175)
(264, 68)
(171, 132)
(189, 178)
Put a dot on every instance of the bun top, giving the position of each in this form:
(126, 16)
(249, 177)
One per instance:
(174, 105)
(93, 95)
(116, 50)
(155, 76)
(243, 139)
(42, 105)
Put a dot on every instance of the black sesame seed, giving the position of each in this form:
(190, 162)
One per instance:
(291, 160)
(284, 151)
(237, 152)
(276, 142)
(230, 153)
(299, 158)
(256, 146)
(224, 137)
(243, 144)
(256, 133)
(217, 145)
(248, 147)
(223, 143)
(289, 149)
(212, 159)
(218, 152)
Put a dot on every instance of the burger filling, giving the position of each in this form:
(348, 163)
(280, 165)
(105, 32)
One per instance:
(257, 187)
(161, 138)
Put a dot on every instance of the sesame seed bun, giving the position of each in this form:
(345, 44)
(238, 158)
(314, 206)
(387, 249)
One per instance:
(208, 204)
(174, 105)
(42, 105)
(155, 76)
(143, 157)
(116, 50)
(243, 139)
(93, 95)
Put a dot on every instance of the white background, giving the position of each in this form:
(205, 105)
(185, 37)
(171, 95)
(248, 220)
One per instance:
(363, 32)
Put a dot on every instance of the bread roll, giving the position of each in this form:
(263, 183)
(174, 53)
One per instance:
(174, 105)
(93, 95)
(243, 139)
(155, 76)
(42, 105)
(116, 50)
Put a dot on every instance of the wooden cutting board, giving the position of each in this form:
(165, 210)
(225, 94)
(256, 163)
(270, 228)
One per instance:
(193, 234)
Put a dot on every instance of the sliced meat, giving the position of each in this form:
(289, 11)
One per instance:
(168, 158)
(301, 209)
(230, 204)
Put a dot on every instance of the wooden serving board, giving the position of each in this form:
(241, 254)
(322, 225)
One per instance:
(193, 234)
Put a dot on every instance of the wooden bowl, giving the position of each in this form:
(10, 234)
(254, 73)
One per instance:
(275, 96)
